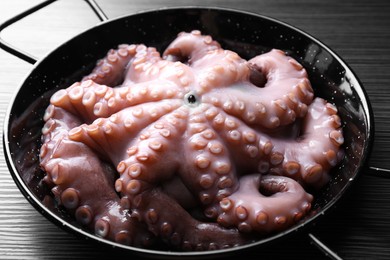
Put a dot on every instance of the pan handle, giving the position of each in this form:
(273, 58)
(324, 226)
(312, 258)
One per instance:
(378, 172)
(24, 55)
(323, 248)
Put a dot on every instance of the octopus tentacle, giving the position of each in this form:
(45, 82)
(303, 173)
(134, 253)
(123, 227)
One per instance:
(282, 99)
(151, 156)
(317, 149)
(110, 70)
(224, 68)
(212, 65)
(155, 208)
(152, 91)
(251, 146)
(189, 47)
(130, 64)
(265, 204)
(106, 134)
(145, 66)
(160, 70)
(254, 148)
(90, 100)
(312, 151)
(208, 173)
(69, 165)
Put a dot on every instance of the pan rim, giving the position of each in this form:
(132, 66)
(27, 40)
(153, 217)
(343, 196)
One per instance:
(38, 205)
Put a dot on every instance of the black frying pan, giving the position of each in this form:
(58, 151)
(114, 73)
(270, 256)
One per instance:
(246, 33)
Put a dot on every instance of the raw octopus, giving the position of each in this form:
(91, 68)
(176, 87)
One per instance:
(198, 149)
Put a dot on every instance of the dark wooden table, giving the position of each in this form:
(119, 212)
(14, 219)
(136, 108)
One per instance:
(359, 31)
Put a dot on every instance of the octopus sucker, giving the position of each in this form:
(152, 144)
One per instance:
(196, 149)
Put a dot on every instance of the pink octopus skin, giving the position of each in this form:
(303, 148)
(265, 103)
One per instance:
(83, 183)
(208, 148)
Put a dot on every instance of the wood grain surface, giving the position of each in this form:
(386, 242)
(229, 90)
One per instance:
(359, 31)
